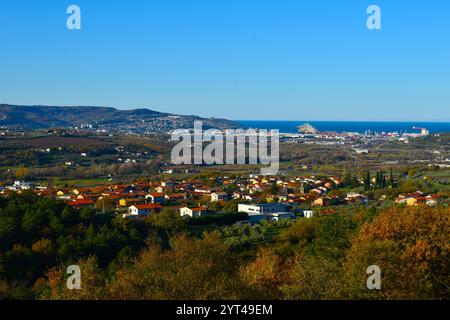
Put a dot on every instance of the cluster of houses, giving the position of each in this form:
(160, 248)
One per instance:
(262, 198)
(418, 197)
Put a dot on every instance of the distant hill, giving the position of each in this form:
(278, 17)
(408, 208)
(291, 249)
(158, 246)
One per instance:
(44, 117)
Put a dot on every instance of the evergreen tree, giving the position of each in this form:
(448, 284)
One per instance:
(385, 183)
(367, 181)
(392, 180)
(348, 179)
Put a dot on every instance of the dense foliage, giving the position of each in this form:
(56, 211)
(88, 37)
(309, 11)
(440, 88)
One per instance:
(325, 257)
(39, 233)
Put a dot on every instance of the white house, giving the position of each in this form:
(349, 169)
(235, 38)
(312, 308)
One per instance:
(354, 197)
(219, 196)
(142, 210)
(156, 197)
(193, 212)
(308, 214)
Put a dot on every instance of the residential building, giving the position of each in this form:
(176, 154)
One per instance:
(219, 196)
(142, 210)
(80, 203)
(308, 214)
(194, 212)
(256, 209)
(156, 198)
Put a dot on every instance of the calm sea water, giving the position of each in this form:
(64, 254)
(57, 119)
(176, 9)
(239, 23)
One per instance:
(348, 126)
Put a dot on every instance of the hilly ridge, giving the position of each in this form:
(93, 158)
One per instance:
(43, 117)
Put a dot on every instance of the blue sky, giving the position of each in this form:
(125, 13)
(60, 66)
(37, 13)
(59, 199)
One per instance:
(237, 59)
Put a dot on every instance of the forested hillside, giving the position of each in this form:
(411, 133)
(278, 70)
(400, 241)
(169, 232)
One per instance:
(325, 257)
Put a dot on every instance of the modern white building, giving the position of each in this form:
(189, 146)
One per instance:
(281, 216)
(266, 211)
(20, 185)
(258, 209)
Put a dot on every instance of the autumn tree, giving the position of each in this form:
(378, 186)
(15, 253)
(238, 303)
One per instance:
(300, 235)
(21, 173)
(264, 275)
(411, 245)
(92, 282)
(313, 277)
(190, 269)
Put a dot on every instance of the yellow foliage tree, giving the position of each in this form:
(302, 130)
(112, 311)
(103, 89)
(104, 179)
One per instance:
(411, 246)
(191, 269)
(92, 283)
(264, 275)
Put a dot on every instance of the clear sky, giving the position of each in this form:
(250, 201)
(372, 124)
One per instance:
(237, 59)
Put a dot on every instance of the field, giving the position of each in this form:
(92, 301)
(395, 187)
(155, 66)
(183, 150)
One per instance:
(55, 142)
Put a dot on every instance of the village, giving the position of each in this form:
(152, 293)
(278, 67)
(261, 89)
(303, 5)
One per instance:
(261, 198)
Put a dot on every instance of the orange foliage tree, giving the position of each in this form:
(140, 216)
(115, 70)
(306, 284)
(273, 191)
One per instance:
(411, 246)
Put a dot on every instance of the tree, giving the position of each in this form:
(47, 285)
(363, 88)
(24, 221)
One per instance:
(313, 278)
(5, 290)
(378, 180)
(411, 246)
(105, 204)
(332, 239)
(274, 189)
(92, 283)
(392, 183)
(300, 235)
(384, 183)
(170, 220)
(348, 179)
(21, 173)
(367, 181)
(264, 275)
(190, 269)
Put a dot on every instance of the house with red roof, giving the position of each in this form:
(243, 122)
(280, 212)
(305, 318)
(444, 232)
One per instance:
(156, 197)
(142, 210)
(176, 197)
(81, 203)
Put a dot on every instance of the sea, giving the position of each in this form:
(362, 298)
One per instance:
(348, 126)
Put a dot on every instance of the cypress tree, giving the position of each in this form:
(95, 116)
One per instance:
(367, 181)
(378, 180)
(391, 179)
